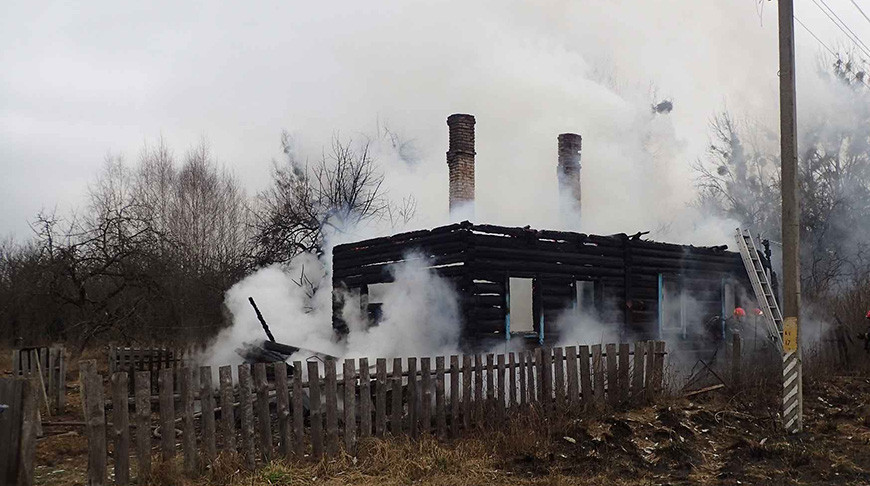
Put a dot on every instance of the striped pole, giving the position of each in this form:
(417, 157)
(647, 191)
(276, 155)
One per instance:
(792, 392)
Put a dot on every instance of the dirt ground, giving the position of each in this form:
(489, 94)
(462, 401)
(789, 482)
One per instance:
(713, 438)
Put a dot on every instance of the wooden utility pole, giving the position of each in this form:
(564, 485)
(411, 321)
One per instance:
(792, 399)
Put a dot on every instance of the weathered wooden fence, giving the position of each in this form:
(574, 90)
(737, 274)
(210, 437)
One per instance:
(47, 366)
(152, 360)
(315, 409)
(18, 404)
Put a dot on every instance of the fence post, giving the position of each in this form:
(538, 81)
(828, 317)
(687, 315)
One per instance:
(637, 378)
(167, 414)
(365, 399)
(188, 438)
(466, 391)
(283, 410)
(412, 397)
(349, 406)
(381, 397)
(95, 420)
(330, 385)
(559, 378)
(121, 427)
(142, 383)
(228, 420)
(623, 378)
(298, 410)
(512, 376)
(206, 401)
(478, 390)
(612, 387)
(522, 371)
(315, 416)
(440, 421)
(454, 396)
(597, 376)
(426, 395)
(659, 369)
(18, 430)
(264, 421)
(396, 408)
(246, 409)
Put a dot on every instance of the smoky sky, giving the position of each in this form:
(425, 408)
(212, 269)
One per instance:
(83, 80)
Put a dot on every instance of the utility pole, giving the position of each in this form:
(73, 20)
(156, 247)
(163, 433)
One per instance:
(792, 398)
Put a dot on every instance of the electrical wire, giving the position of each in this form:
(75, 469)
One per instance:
(860, 10)
(846, 67)
(843, 27)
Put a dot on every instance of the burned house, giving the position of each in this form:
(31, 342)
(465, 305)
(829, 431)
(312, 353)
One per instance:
(519, 283)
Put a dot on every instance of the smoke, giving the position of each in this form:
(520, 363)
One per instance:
(420, 313)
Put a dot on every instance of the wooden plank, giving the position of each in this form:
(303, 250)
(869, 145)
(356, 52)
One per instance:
(30, 428)
(51, 359)
(412, 397)
(658, 368)
(425, 395)
(228, 420)
(282, 409)
(121, 427)
(649, 384)
(60, 399)
(559, 378)
(16, 362)
(612, 386)
(454, 396)
(264, 419)
(624, 375)
(500, 391)
(296, 404)
(512, 376)
(365, 399)
(530, 372)
(207, 406)
(315, 414)
(12, 395)
(381, 397)
(478, 390)
(348, 376)
(330, 388)
(637, 378)
(585, 377)
(539, 370)
(246, 410)
(188, 437)
(143, 424)
(396, 408)
(573, 377)
(521, 370)
(547, 378)
(95, 417)
(167, 414)
(466, 392)
(597, 376)
(440, 417)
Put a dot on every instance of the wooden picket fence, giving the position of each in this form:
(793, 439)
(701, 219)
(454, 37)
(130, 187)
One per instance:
(47, 367)
(312, 412)
(152, 360)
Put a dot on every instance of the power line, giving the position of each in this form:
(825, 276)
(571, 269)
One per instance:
(815, 36)
(845, 66)
(843, 28)
(860, 10)
(845, 25)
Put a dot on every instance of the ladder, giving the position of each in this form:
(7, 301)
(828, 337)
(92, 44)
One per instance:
(761, 286)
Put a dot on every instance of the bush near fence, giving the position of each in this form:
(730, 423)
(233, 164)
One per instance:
(314, 412)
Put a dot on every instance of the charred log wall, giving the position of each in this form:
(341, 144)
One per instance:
(480, 259)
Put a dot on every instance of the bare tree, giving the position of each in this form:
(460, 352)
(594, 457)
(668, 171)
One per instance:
(308, 201)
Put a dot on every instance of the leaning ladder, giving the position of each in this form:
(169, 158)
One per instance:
(761, 286)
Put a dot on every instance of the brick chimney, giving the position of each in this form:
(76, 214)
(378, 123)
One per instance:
(568, 170)
(460, 160)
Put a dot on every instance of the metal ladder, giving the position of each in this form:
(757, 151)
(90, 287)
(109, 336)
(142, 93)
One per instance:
(760, 285)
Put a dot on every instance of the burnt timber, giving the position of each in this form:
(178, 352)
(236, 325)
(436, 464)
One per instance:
(627, 273)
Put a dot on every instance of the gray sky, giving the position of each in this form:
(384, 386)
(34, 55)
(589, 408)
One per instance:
(81, 80)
